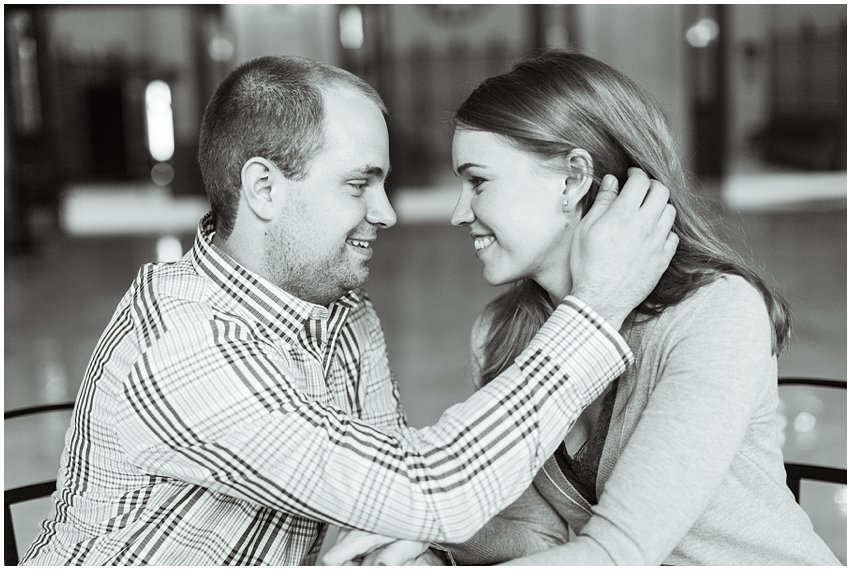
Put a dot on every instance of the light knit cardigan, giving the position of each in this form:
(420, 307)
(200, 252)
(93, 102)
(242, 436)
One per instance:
(691, 471)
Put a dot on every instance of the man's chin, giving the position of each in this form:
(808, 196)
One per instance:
(358, 279)
(334, 286)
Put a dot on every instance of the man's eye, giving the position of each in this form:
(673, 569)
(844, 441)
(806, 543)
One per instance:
(359, 185)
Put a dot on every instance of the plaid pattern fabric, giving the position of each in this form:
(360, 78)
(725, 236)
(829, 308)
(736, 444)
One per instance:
(222, 421)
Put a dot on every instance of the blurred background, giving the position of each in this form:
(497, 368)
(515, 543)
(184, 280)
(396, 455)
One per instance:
(102, 106)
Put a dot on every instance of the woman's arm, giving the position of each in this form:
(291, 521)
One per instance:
(527, 526)
(695, 420)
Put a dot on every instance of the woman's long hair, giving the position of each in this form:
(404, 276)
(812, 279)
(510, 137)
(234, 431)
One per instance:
(559, 100)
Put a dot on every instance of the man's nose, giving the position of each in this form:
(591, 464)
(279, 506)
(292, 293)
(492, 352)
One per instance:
(380, 212)
(463, 214)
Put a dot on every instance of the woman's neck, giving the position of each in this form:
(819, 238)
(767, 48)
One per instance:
(557, 284)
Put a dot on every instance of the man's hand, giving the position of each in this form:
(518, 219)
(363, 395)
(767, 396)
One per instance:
(357, 547)
(622, 246)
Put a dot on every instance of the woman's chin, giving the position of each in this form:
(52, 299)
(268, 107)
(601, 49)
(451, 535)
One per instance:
(496, 278)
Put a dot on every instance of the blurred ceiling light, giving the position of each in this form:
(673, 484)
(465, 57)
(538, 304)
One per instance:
(169, 249)
(162, 174)
(159, 120)
(351, 27)
(221, 48)
(804, 421)
(703, 33)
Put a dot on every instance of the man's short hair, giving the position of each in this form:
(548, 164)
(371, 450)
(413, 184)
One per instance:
(271, 107)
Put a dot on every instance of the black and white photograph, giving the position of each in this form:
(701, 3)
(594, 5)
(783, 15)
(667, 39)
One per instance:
(425, 284)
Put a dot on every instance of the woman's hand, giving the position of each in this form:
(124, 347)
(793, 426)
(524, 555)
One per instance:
(357, 547)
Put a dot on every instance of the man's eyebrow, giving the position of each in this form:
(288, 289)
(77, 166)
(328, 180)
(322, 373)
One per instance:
(369, 170)
(460, 170)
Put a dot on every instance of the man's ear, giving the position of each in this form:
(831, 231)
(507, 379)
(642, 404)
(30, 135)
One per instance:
(258, 181)
(578, 180)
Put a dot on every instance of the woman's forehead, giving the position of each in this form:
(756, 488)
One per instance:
(490, 150)
(473, 142)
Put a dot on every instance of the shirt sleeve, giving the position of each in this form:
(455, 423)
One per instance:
(215, 408)
(684, 443)
(379, 399)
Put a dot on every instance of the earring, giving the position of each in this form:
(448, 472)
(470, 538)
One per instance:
(565, 206)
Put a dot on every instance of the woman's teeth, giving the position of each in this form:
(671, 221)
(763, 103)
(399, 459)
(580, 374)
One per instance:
(482, 242)
(358, 243)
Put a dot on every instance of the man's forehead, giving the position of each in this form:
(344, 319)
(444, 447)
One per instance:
(341, 95)
(355, 133)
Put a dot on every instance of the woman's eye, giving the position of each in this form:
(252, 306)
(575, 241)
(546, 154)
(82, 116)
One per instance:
(476, 182)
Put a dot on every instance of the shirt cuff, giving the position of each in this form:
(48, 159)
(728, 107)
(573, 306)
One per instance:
(602, 325)
(575, 333)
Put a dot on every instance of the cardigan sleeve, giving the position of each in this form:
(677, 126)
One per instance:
(527, 526)
(714, 363)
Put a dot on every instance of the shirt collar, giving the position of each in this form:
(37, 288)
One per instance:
(285, 314)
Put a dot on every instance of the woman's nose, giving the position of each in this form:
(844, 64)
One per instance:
(463, 214)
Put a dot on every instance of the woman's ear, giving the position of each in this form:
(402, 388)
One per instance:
(577, 182)
(257, 178)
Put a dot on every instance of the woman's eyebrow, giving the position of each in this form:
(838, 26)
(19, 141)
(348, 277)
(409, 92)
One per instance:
(460, 170)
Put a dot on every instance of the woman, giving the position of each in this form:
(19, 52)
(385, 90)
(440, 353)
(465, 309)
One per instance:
(679, 462)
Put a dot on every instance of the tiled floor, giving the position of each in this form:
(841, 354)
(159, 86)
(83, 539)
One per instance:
(427, 286)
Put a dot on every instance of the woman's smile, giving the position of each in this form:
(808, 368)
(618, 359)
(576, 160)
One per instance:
(482, 242)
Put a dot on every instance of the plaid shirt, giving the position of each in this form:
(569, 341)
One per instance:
(222, 421)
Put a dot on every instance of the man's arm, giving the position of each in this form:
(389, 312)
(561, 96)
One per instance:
(226, 415)
(378, 396)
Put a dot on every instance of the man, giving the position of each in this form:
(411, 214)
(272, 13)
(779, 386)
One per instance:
(241, 398)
